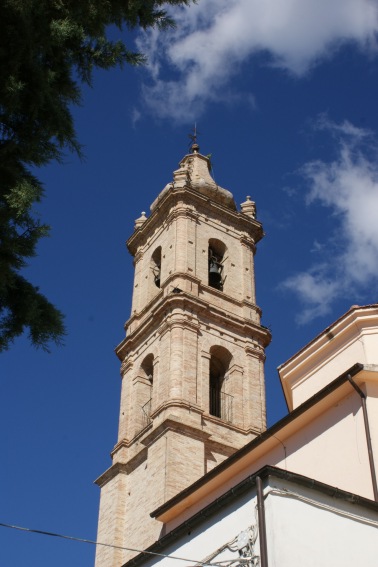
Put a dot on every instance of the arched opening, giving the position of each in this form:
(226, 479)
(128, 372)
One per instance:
(147, 368)
(220, 403)
(147, 373)
(156, 266)
(217, 251)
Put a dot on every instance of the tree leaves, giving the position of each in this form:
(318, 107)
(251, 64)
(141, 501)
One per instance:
(48, 48)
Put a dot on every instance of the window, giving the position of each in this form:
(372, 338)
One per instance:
(146, 372)
(147, 368)
(220, 403)
(156, 266)
(217, 252)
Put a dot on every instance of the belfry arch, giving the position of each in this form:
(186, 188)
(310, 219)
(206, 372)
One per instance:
(217, 257)
(156, 266)
(144, 385)
(220, 402)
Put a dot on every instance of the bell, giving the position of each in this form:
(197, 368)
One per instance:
(157, 277)
(215, 278)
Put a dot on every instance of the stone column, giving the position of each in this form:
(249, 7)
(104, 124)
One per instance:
(176, 359)
(136, 303)
(181, 244)
(204, 390)
(156, 385)
(248, 250)
(189, 362)
(192, 243)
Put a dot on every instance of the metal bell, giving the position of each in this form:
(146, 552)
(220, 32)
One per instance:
(215, 277)
(157, 276)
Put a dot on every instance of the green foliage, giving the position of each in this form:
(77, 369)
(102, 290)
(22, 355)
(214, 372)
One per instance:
(48, 48)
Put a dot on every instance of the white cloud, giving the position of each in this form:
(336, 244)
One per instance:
(215, 37)
(314, 290)
(135, 116)
(348, 186)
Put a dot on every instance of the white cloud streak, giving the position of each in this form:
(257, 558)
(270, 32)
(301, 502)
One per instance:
(348, 187)
(135, 116)
(214, 38)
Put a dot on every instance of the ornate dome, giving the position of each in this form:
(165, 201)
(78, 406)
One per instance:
(194, 172)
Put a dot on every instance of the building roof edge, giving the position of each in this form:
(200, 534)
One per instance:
(264, 473)
(308, 404)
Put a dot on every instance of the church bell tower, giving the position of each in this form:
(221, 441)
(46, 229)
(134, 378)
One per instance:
(192, 360)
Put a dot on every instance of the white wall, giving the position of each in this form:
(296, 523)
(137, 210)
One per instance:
(305, 528)
(327, 533)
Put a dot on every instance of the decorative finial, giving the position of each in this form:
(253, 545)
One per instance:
(193, 146)
(249, 207)
(139, 221)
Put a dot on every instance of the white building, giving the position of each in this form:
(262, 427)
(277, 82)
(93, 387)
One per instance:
(295, 522)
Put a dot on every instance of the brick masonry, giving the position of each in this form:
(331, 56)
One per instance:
(167, 436)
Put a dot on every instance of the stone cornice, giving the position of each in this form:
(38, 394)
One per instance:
(157, 315)
(200, 203)
(149, 435)
(171, 423)
(178, 321)
(117, 468)
(255, 350)
(252, 306)
(126, 443)
(126, 366)
(248, 241)
(148, 307)
(191, 306)
(176, 403)
(171, 277)
(225, 424)
(181, 211)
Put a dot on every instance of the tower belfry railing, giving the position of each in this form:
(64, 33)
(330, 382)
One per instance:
(146, 413)
(221, 404)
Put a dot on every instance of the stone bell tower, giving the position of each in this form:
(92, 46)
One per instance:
(192, 360)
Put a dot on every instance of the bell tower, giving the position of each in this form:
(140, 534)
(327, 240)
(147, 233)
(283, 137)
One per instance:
(192, 360)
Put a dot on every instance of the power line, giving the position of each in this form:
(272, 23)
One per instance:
(90, 541)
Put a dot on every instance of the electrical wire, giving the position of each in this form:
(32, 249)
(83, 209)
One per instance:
(90, 541)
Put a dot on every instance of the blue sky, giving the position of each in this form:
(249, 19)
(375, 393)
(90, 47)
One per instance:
(284, 96)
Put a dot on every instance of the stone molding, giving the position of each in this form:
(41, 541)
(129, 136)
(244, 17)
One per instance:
(117, 468)
(196, 306)
(176, 403)
(257, 351)
(172, 424)
(126, 365)
(201, 204)
(248, 242)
